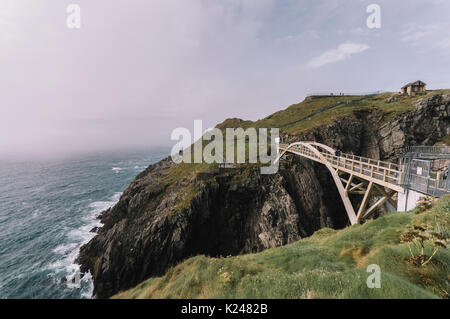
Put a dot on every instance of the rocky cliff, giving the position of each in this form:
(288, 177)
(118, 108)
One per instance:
(241, 211)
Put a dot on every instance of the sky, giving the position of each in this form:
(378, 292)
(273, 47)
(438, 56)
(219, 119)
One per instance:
(137, 69)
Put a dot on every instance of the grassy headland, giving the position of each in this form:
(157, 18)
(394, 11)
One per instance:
(329, 264)
(388, 104)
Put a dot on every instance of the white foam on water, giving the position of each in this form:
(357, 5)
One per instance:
(77, 238)
(36, 213)
(117, 169)
(64, 249)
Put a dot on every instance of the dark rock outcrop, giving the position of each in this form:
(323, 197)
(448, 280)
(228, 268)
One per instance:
(242, 211)
(426, 125)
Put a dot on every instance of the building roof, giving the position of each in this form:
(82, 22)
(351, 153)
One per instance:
(417, 83)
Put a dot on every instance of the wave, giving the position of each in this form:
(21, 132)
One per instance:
(118, 169)
(77, 238)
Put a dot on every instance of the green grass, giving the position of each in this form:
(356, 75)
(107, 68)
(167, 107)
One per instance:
(329, 264)
(377, 102)
(309, 105)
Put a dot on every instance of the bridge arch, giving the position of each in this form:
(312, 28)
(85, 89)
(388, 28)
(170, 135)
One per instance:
(373, 176)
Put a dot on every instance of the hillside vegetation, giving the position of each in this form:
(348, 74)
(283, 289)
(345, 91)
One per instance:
(329, 264)
(345, 105)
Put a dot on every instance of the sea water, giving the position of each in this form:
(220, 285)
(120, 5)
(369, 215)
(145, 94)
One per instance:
(47, 212)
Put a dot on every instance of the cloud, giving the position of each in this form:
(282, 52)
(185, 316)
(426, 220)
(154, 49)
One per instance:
(303, 36)
(342, 52)
(137, 69)
(414, 34)
(428, 36)
(129, 76)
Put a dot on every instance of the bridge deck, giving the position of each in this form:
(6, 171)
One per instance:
(379, 172)
(374, 177)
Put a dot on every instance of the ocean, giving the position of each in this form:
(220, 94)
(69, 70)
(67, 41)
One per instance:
(47, 212)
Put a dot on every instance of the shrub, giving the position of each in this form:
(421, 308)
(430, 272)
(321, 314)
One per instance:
(423, 238)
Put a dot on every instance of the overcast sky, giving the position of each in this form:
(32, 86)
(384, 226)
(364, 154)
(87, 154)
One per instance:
(137, 69)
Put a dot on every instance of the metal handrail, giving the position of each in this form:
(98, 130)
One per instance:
(428, 149)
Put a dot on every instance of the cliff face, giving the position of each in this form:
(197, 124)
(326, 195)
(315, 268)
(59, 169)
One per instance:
(241, 211)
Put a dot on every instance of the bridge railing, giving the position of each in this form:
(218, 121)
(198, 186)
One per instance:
(385, 172)
(427, 185)
(337, 94)
(370, 161)
(429, 149)
(434, 186)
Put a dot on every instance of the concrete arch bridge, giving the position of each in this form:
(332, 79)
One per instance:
(364, 176)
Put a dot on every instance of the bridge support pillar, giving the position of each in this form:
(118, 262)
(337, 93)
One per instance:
(408, 200)
(368, 190)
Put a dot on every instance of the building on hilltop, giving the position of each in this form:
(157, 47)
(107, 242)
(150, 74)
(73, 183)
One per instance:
(414, 88)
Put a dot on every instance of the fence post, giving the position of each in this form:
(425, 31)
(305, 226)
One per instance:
(438, 179)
